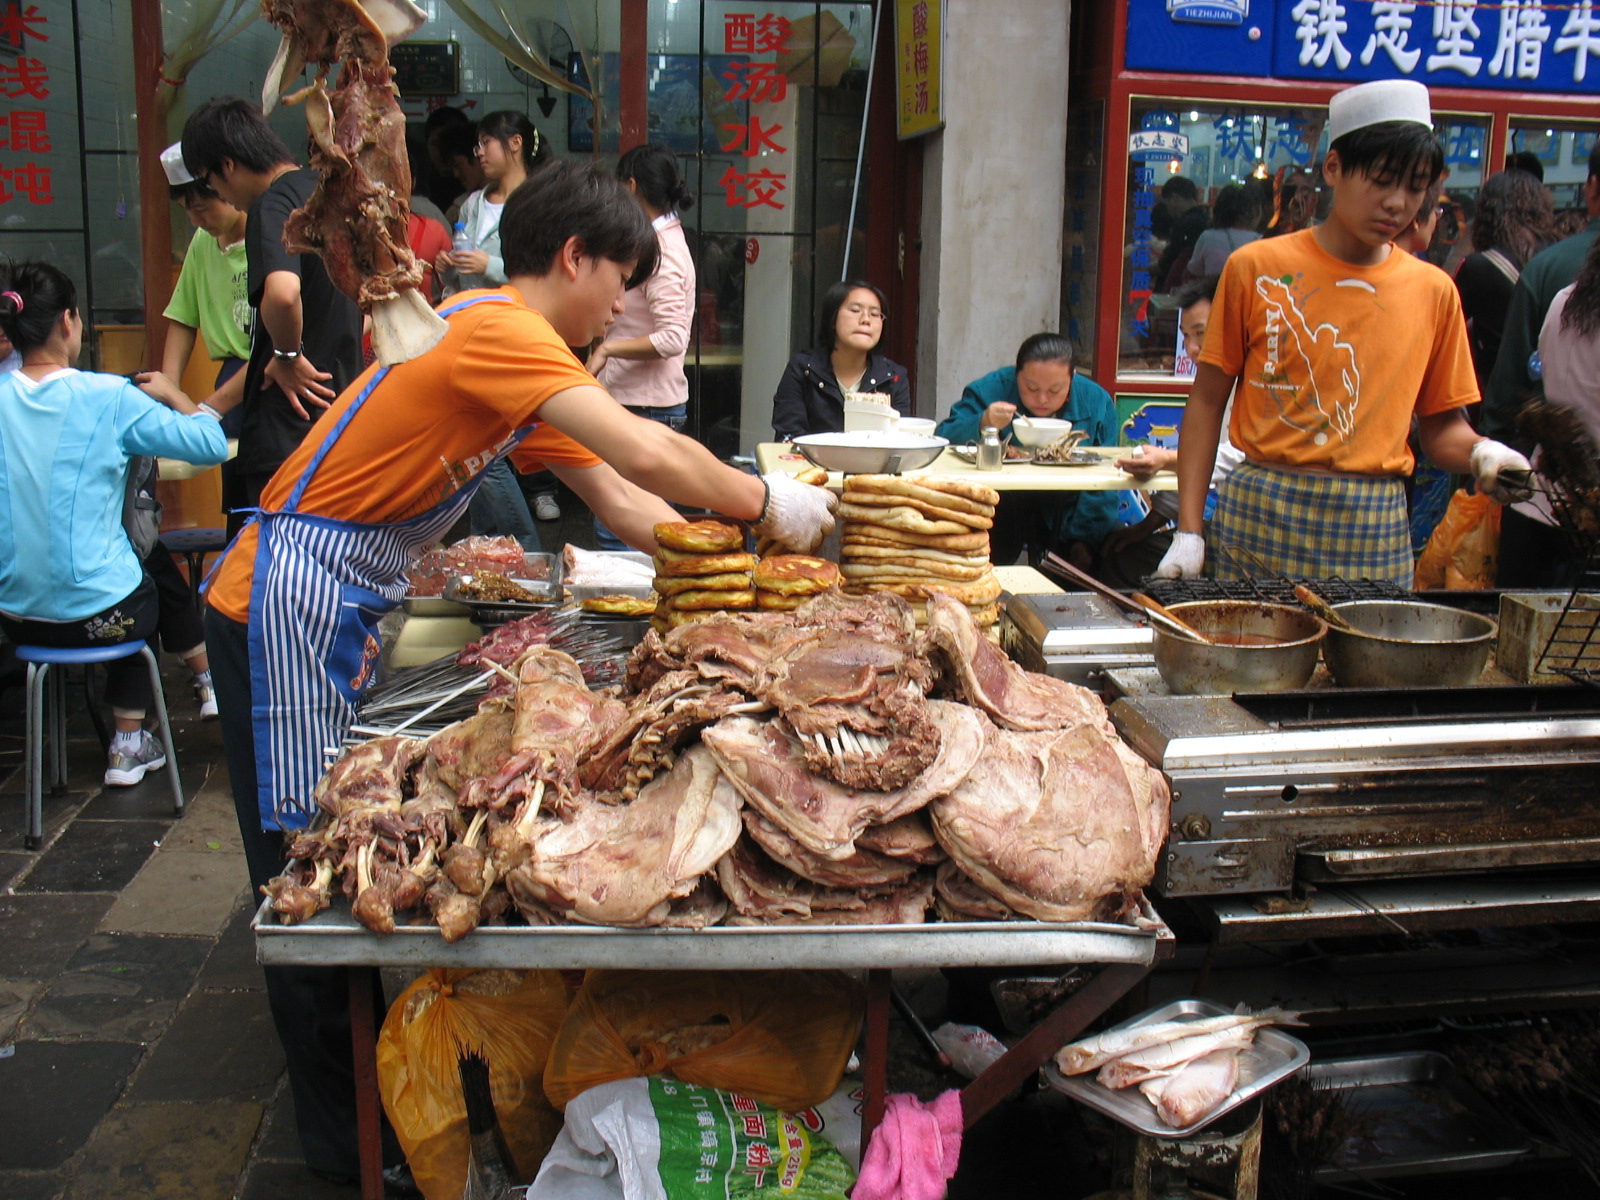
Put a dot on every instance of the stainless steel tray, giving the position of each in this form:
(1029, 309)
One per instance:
(548, 592)
(1421, 1118)
(584, 591)
(1272, 1057)
(435, 606)
(333, 938)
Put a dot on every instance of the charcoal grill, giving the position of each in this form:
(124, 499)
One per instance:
(1574, 646)
(1277, 589)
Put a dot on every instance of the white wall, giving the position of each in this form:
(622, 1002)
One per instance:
(993, 193)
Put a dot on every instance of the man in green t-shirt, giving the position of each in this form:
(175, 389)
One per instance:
(212, 297)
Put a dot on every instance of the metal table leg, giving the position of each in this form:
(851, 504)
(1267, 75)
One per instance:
(876, 1067)
(364, 1047)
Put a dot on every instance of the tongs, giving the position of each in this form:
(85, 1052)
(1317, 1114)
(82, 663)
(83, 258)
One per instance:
(1142, 605)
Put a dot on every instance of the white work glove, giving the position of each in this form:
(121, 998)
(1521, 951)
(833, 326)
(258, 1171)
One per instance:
(1185, 558)
(1501, 472)
(796, 514)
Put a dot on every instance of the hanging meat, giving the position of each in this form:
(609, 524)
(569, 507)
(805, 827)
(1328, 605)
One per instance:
(357, 218)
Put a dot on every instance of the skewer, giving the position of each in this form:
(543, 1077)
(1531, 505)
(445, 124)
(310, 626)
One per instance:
(445, 699)
(903, 1006)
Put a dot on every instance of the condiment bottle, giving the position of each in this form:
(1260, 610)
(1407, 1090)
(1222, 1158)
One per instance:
(991, 454)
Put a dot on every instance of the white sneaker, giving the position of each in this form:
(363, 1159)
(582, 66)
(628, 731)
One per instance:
(124, 770)
(546, 508)
(208, 702)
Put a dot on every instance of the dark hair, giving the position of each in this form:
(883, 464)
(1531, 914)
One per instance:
(1204, 288)
(833, 300)
(1179, 186)
(1582, 313)
(1526, 160)
(1403, 149)
(1236, 206)
(654, 170)
(228, 127)
(567, 199)
(444, 117)
(458, 141)
(186, 193)
(506, 124)
(33, 295)
(1594, 160)
(1044, 347)
(1514, 214)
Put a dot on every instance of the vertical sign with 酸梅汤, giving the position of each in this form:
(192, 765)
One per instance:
(919, 66)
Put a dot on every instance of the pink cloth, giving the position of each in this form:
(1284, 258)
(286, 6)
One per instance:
(661, 309)
(914, 1151)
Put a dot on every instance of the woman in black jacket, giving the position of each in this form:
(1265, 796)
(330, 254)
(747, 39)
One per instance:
(810, 396)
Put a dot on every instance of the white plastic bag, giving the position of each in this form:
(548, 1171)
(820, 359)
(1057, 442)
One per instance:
(970, 1048)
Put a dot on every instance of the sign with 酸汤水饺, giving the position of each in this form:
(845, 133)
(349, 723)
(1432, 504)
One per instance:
(918, 66)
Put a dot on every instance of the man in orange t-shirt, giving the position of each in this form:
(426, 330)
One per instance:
(1335, 341)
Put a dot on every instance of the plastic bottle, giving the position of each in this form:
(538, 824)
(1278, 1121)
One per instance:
(991, 455)
(970, 1048)
(461, 241)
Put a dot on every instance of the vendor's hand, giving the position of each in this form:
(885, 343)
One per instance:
(302, 383)
(160, 387)
(1502, 473)
(1145, 461)
(796, 514)
(1185, 558)
(469, 262)
(998, 415)
(598, 358)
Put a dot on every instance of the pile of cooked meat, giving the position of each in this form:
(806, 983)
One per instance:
(829, 765)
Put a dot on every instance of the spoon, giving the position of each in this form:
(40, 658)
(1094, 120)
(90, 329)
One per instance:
(1322, 608)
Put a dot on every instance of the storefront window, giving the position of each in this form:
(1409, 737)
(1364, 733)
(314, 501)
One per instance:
(1561, 151)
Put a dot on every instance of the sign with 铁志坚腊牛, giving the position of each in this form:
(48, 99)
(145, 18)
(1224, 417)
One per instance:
(1512, 45)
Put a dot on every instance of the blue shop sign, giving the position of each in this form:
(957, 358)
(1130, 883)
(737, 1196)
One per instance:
(1548, 46)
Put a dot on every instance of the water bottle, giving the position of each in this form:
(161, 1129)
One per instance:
(462, 240)
(1535, 368)
(991, 454)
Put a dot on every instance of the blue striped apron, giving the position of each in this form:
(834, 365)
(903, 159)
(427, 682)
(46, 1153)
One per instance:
(321, 585)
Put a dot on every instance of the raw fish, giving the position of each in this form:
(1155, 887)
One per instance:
(1086, 1055)
(1169, 1057)
(1199, 1087)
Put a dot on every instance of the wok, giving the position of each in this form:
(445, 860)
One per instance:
(1404, 643)
(1281, 657)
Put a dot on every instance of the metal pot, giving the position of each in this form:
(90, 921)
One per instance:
(1280, 665)
(1403, 643)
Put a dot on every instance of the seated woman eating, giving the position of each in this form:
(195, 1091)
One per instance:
(1042, 382)
(810, 396)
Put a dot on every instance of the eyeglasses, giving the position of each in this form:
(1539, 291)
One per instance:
(856, 310)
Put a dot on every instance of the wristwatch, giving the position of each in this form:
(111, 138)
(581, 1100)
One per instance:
(288, 355)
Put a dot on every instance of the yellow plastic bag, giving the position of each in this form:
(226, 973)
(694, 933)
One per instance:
(780, 1037)
(1462, 551)
(511, 1016)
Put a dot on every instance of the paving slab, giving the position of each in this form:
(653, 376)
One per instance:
(31, 1185)
(57, 810)
(13, 865)
(168, 1152)
(208, 823)
(275, 1180)
(53, 1094)
(39, 934)
(151, 797)
(95, 856)
(180, 892)
(280, 1139)
(232, 965)
(222, 1046)
(16, 997)
(126, 987)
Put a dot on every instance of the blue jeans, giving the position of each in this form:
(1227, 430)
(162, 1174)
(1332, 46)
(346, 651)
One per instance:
(673, 417)
(498, 509)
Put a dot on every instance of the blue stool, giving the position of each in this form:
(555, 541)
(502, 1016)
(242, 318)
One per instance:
(194, 545)
(40, 659)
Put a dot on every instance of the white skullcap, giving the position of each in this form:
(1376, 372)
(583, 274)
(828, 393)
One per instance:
(172, 164)
(1372, 103)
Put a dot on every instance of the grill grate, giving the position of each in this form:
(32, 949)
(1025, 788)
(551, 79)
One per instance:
(1574, 646)
(1277, 589)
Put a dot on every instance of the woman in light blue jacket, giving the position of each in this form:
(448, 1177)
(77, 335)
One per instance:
(69, 576)
(509, 150)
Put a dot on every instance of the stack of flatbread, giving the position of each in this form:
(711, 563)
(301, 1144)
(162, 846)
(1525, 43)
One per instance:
(915, 534)
(786, 581)
(701, 568)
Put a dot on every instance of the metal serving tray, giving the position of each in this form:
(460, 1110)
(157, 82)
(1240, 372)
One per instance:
(585, 591)
(1272, 1057)
(333, 938)
(548, 591)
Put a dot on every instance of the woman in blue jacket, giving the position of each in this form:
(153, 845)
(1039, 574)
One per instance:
(69, 576)
(810, 396)
(1073, 524)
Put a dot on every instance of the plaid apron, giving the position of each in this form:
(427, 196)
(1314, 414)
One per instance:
(1272, 520)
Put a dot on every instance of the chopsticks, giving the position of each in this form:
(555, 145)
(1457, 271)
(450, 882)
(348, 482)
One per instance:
(1170, 623)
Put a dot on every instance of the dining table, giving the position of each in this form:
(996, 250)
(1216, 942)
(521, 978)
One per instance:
(1102, 475)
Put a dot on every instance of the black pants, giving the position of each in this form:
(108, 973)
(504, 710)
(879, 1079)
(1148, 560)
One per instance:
(178, 619)
(310, 1005)
(131, 619)
(1535, 555)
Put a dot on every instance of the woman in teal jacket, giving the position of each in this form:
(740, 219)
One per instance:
(1073, 524)
(69, 576)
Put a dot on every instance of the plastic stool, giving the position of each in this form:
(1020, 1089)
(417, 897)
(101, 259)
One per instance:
(194, 545)
(40, 659)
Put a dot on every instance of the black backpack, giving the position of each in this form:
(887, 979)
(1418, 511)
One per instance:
(141, 511)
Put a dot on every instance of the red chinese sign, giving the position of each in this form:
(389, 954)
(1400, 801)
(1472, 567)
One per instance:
(24, 130)
(749, 33)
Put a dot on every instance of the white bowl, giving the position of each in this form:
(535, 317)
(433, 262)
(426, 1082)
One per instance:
(1038, 432)
(917, 426)
(870, 453)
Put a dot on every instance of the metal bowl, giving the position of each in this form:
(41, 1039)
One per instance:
(1403, 643)
(1039, 431)
(1282, 664)
(885, 452)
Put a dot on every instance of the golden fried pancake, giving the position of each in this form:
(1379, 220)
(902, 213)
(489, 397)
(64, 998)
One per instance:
(699, 537)
(625, 606)
(795, 574)
(981, 591)
(731, 581)
(904, 517)
(700, 600)
(856, 552)
(703, 564)
(861, 533)
(911, 569)
(883, 501)
(815, 476)
(947, 493)
(778, 602)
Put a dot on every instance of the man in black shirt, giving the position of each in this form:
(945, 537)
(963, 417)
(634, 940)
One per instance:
(305, 344)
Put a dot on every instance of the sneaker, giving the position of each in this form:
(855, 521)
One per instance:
(123, 770)
(546, 508)
(208, 702)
